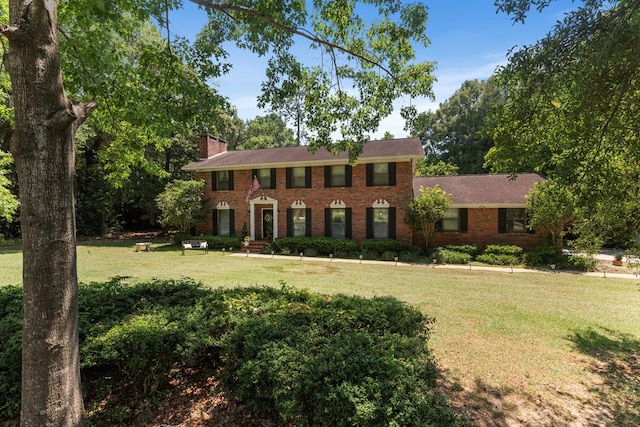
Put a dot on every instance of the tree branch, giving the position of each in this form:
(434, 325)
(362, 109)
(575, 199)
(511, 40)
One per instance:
(224, 7)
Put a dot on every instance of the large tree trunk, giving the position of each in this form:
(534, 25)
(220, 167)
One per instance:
(43, 149)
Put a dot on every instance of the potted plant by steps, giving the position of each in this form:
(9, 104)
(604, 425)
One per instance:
(618, 259)
(246, 240)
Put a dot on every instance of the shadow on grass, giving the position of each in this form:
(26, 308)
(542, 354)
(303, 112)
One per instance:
(616, 359)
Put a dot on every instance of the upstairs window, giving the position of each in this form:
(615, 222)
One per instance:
(299, 177)
(337, 176)
(266, 177)
(379, 174)
(222, 180)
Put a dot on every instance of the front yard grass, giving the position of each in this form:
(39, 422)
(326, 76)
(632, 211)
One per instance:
(515, 348)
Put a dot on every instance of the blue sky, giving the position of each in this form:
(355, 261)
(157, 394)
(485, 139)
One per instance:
(468, 41)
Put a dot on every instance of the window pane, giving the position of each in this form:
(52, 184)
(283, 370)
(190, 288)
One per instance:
(516, 222)
(450, 221)
(298, 176)
(380, 223)
(338, 176)
(224, 223)
(299, 223)
(381, 174)
(338, 223)
(223, 180)
(264, 176)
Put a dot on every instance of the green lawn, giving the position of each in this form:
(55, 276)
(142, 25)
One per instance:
(523, 348)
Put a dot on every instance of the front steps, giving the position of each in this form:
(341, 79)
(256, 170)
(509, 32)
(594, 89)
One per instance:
(255, 246)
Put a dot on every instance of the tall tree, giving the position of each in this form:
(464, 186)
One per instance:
(458, 131)
(43, 149)
(378, 64)
(266, 132)
(573, 111)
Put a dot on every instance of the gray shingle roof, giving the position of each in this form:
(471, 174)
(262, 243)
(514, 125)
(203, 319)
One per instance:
(374, 151)
(482, 190)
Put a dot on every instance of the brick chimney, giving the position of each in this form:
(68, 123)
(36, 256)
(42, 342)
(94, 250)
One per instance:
(211, 145)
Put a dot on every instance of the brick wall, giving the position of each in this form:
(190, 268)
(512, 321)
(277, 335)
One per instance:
(358, 197)
(483, 231)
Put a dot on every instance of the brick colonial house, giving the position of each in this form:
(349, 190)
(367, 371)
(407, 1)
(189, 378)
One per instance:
(322, 195)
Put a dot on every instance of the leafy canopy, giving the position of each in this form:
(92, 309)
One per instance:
(181, 204)
(573, 110)
(459, 131)
(366, 59)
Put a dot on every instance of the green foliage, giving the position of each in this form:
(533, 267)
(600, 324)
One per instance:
(543, 256)
(430, 167)
(467, 249)
(181, 204)
(503, 250)
(391, 246)
(266, 132)
(457, 135)
(498, 259)
(501, 255)
(582, 263)
(8, 202)
(339, 361)
(573, 112)
(321, 246)
(141, 346)
(552, 207)
(449, 256)
(309, 358)
(10, 350)
(425, 210)
(214, 242)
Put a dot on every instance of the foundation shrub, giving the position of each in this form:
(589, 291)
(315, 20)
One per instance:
(543, 256)
(447, 256)
(582, 263)
(321, 245)
(501, 255)
(465, 249)
(380, 246)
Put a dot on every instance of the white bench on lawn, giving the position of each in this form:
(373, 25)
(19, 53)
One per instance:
(143, 246)
(195, 244)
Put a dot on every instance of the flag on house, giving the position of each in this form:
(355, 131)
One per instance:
(255, 186)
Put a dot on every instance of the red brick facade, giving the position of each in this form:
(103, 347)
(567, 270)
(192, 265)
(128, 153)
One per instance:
(358, 197)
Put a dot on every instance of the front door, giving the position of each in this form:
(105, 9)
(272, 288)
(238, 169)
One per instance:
(267, 224)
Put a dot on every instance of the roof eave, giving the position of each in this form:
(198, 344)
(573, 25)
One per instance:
(323, 162)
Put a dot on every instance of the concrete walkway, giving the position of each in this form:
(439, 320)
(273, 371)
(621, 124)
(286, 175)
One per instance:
(602, 257)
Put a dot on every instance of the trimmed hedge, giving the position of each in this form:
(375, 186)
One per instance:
(304, 358)
(466, 249)
(503, 250)
(446, 256)
(380, 246)
(317, 246)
